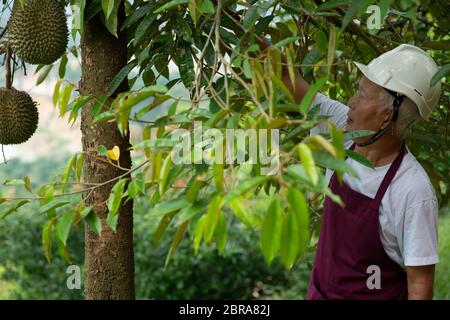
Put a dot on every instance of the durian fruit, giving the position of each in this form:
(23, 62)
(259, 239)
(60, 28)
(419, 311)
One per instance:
(38, 31)
(18, 116)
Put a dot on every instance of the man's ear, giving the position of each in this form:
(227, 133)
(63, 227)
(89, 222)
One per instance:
(387, 118)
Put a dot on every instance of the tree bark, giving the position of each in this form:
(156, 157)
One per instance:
(109, 258)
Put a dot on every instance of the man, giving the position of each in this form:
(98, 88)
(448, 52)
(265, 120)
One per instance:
(383, 244)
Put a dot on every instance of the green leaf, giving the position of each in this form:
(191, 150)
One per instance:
(218, 176)
(271, 231)
(290, 242)
(108, 6)
(103, 117)
(155, 143)
(308, 163)
(93, 221)
(311, 58)
(134, 187)
(349, 14)
(321, 41)
(357, 134)
(102, 150)
(120, 77)
(186, 67)
(284, 42)
(194, 10)
(47, 239)
(62, 66)
(193, 190)
(331, 4)
(54, 204)
(246, 68)
(111, 15)
(304, 105)
(212, 217)
(170, 5)
(442, 72)
(188, 213)
(143, 28)
(70, 165)
(78, 17)
(13, 182)
(198, 232)
(360, 158)
(63, 252)
(337, 137)
(299, 209)
(63, 99)
(280, 84)
(331, 48)
(79, 166)
(221, 233)
(164, 173)
(28, 184)
(85, 211)
(137, 15)
(244, 187)
(242, 213)
(114, 201)
(13, 208)
(250, 17)
(207, 7)
(44, 75)
(169, 206)
(63, 227)
(325, 160)
(162, 226)
(176, 241)
(56, 93)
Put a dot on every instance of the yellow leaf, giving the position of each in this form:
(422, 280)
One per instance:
(307, 159)
(114, 153)
(325, 144)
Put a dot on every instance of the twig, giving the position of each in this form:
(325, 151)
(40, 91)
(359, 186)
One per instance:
(86, 189)
(3, 31)
(4, 158)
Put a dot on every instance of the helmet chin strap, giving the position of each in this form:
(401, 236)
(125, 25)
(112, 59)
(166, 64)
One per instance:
(398, 99)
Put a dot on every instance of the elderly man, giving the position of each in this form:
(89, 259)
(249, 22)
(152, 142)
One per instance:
(383, 243)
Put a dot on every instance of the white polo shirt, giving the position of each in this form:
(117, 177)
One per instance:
(409, 209)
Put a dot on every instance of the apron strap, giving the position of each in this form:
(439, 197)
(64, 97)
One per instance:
(390, 174)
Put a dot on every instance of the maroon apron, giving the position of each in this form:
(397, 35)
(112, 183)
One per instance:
(350, 243)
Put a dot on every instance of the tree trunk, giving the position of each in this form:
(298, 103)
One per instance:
(109, 258)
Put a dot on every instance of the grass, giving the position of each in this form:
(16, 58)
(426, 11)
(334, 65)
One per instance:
(442, 280)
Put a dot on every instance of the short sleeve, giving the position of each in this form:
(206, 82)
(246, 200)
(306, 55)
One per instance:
(420, 234)
(329, 107)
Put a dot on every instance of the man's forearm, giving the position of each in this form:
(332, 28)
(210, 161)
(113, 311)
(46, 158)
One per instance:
(420, 282)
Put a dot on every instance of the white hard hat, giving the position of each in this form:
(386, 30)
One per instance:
(408, 70)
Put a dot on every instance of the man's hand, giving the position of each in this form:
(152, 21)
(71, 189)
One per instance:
(420, 282)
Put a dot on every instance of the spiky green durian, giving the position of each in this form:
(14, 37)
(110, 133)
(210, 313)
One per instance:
(38, 31)
(18, 116)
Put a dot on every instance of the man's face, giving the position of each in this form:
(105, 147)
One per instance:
(367, 108)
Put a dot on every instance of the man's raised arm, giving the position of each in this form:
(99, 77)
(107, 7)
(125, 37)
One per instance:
(300, 87)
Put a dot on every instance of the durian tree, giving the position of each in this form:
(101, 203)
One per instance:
(134, 56)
